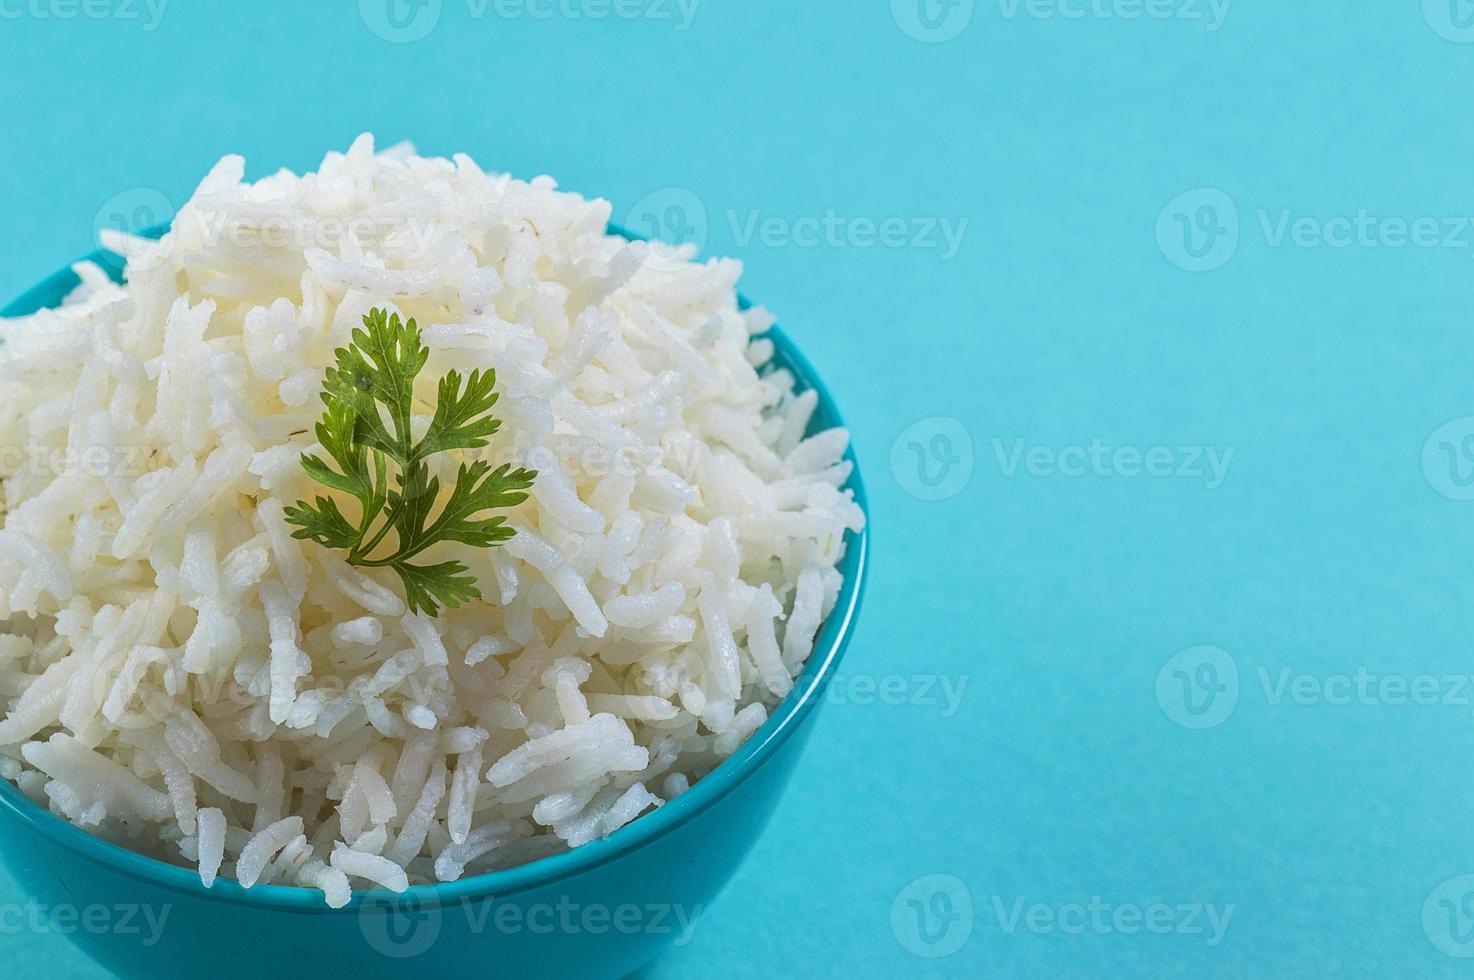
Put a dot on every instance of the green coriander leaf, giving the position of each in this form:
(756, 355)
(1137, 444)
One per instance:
(366, 430)
(323, 523)
(430, 586)
(460, 420)
(477, 491)
(413, 505)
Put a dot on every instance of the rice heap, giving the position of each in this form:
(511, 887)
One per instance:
(180, 675)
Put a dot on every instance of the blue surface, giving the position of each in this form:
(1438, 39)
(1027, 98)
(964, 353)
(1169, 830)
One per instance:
(1068, 610)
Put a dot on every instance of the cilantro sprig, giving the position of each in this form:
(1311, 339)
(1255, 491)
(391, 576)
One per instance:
(366, 433)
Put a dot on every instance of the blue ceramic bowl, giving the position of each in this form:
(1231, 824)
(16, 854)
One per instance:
(601, 910)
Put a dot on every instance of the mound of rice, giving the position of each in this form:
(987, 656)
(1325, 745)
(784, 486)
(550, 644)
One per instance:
(180, 675)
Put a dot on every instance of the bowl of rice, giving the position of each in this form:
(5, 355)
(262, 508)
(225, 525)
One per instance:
(230, 741)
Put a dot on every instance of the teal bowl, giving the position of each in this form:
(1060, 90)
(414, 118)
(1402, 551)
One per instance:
(601, 910)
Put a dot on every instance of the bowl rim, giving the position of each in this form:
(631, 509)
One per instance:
(829, 647)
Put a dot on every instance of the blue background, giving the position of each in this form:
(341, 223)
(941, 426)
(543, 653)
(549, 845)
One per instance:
(1064, 318)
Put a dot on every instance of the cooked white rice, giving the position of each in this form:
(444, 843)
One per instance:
(179, 674)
